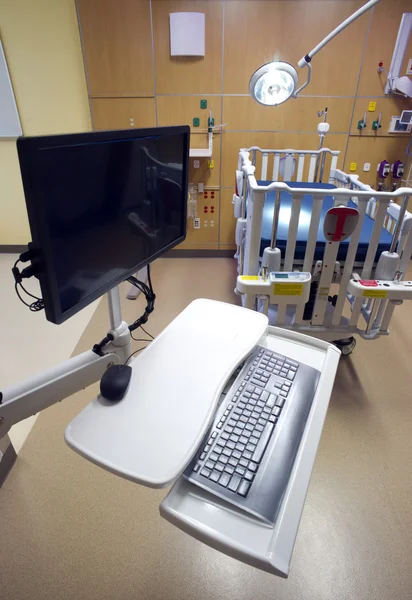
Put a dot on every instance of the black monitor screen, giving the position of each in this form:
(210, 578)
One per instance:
(101, 206)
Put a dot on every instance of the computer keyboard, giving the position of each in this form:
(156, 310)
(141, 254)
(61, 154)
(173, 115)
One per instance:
(248, 454)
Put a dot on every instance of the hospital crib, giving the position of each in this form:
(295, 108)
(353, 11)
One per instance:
(287, 212)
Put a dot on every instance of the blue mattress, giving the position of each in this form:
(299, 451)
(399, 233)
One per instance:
(304, 222)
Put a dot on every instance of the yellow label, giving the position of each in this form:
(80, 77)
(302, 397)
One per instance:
(323, 291)
(353, 166)
(211, 164)
(374, 293)
(249, 277)
(372, 106)
(288, 289)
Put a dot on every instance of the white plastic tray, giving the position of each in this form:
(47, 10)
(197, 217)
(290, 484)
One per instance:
(212, 521)
(151, 435)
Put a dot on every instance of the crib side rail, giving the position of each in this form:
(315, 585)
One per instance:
(289, 164)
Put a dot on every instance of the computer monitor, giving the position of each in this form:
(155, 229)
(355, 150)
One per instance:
(101, 206)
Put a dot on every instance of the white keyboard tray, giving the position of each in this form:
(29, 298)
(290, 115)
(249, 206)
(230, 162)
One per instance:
(213, 522)
(151, 435)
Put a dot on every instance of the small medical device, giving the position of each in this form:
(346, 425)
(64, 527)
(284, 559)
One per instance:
(398, 169)
(384, 169)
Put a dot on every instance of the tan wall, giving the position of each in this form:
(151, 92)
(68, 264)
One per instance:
(127, 80)
(42, 46)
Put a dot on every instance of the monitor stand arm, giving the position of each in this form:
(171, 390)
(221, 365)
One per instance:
(27, 398)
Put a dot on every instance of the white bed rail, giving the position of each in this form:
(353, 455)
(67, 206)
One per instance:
(381, 206)
(284, 162)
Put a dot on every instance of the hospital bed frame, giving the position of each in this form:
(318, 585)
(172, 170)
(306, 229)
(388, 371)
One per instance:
(367, 311)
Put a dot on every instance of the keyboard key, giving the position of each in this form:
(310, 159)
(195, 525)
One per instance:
(255, 415)
(227, 452)
(207, 448)
(205, 472)
(234, 418)
(280, 401)
(284, 373)
(229, 469)
(264, 395)
(231, 445)
(259, 427)
(291, 375)
(243, 462)
(218, 449)
(259, 372)
(249, 427)
(214, 435)
(263, 442)
(234, 438)
(253, 440)
(221, 442)
(285, 388)
(226, 413)
(260, 404)
(240, 470)
(250, 447)
(219, 467)
(242, 440)
(238, 411)
(224, 479)
(253, 421)
(234, 483)
(219, 425)
(272, 419)
(214, 476)
(240, 426)
(209, 464)
(240, 447)
(214, 456)
(250, 388)
(236, 454)
(237, 431)
(247, 433)
(228, 429)
(276, 411)
(283, 393)
(196, 467)
(249, 476)
(265, 410)
(271, 401)
(203, 456)
(278, 385)
(224, 435)
(243, 488)
(243, 419)
(223, 459)
(232, 423)
(261, 421)
(246, 413)
(247, 455)
(253, 467)
(257, 382)
(276, 371)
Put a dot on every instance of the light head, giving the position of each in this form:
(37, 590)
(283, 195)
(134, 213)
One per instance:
(273, 83)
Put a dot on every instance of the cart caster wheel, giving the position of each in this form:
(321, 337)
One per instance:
(346, 346)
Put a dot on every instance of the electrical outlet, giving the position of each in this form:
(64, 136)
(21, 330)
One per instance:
(204, 223)
(409, 67)
(196, 164)
(212, 223)
(196, 223)
(367, 167)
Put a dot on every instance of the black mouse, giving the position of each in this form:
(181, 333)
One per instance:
(114, 383)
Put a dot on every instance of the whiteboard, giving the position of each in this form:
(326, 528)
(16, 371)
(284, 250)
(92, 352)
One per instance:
(9, 117)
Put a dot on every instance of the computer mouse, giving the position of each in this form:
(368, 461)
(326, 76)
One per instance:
(114, 383)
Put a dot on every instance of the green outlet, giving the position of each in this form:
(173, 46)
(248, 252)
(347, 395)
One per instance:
(196, 122)
(203, 104)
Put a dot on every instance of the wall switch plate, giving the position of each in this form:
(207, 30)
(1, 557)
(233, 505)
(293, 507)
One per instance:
(196, 223)
(409, 67)
(196, 122)
(367, 167)
(200, 188)
(196, 164)
(353, 166)
(372, 106)
(203, 104)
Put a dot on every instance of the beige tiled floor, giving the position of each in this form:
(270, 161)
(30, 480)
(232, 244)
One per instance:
(69, 530)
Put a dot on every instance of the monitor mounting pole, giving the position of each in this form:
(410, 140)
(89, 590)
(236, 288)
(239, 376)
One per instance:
(27, 398)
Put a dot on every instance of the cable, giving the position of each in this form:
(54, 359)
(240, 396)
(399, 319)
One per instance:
(139, 339)
(146, 332)
(150, 296)
(18, 276)
(133, 353)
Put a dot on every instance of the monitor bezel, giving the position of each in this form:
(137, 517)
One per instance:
(40, 245)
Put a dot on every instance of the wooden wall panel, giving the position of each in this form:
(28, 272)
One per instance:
(259, 31)
(203, 174)
(207, 236)
(385, 23)
(188, 75)
(390, 107)
(234, 140)
(227, 219)
(242, 112)
(115, 113)
(373, 151)
(181, 110)
(117, 45)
